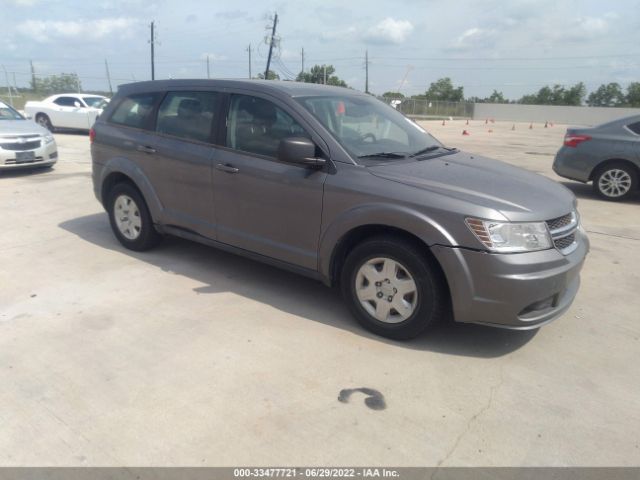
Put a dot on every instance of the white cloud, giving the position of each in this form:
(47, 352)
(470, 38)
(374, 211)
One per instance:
(389, 30)
(44, 30)
(473, 37)
(23, 3)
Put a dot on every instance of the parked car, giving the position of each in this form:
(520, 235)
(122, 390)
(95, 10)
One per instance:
(24, 144)
(69, 110)
(334, 184)
(607, 155)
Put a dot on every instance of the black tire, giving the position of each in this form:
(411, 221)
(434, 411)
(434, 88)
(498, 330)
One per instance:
(430, 284)
(142, 237)
(627, 176)
(45, 121)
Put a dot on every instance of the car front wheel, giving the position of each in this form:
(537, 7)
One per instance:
(44, 121)
(615, 181)
(130, 219)
(392, 287)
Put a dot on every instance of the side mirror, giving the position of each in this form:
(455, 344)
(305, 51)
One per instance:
(77, 104)
(299, 151)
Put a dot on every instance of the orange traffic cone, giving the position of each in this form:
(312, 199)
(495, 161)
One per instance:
(464, 132)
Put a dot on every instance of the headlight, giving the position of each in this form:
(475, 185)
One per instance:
(506, 237)
(47, 139)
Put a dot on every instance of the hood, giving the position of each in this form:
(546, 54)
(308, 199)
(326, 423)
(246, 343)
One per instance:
(21, 127)
(517, 194)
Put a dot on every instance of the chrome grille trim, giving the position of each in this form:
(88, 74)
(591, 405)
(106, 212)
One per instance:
(19, 143)
(563, 232)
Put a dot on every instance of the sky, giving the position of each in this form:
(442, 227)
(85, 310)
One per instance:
(514, 46)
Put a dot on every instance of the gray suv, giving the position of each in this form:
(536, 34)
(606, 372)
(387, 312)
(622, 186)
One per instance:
(335, 185)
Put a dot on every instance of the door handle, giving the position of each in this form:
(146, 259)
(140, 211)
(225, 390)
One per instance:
(144, 149)
(227, 168)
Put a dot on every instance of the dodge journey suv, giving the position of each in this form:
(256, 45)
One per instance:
(335, 185)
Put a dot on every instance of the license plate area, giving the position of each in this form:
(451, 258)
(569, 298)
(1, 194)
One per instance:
(25, 157)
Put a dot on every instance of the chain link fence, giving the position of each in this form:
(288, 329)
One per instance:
(424, 108)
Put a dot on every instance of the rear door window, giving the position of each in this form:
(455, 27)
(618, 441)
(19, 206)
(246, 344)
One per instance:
(66, 101)
(188, 115)
(135, 111)
(634, 127)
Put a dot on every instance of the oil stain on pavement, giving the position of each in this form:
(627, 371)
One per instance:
(374, 400)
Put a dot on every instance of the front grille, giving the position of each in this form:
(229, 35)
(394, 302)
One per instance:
(20, 146)
(563, 232)
(565, 242)
(12, 161)
(560, 222)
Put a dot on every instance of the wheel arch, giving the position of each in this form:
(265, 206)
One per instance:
(610, 161)
(123, 170)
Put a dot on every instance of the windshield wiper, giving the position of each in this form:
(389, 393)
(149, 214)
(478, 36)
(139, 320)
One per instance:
(432, 148)
(384, 155)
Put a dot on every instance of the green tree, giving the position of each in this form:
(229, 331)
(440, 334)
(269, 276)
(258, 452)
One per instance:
(609, 95)
(556, 95)
(318, 74)
(271, 75)
(443, 90)
(633, 94)
(496, 97)
(574, 95)
(393, 95)
(63, 83)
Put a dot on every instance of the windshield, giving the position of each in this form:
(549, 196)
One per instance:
(95, 102)
(8, 113)
(369, 129)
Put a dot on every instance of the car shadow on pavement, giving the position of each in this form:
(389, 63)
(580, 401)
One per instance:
(220, 271)
(25, 172)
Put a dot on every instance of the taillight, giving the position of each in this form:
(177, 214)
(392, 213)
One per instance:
(575, 140)
(92, 135)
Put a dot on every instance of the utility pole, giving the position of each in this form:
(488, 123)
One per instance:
(208, 72)
(249, 50)
(324, 68)
(404, 79)
(6, 75)
(302, 55)
(34, 86)
(273, 35)
(106, 66)
(153, 66)
(366, 70)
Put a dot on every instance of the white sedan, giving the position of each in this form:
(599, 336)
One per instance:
(23, 144)
(68, 110)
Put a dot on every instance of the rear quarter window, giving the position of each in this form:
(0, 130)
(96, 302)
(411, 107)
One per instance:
(635, 128)
(135, 111)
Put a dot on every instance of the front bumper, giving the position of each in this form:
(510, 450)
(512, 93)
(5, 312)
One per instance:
(44, 156)
(518, 291)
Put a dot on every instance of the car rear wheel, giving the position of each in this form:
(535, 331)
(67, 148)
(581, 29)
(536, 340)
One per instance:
(615, 181)
(130, 218)
(44, 121)
(392, 287)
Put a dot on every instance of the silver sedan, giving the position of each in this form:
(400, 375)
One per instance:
(607, 155)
